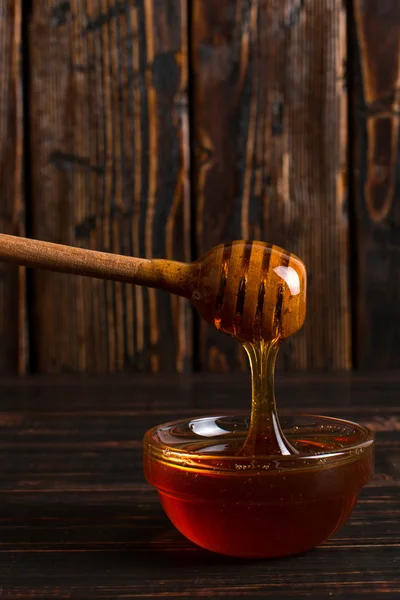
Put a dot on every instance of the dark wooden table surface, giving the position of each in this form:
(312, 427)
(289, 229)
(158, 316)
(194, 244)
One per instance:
(77, 519)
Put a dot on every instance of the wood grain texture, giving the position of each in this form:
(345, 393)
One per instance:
(376, 146)
(270, 122)
(110, 172)
(78, 520)
(13, 348)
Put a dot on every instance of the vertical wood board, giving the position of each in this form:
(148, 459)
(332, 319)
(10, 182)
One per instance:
(376, 154)
(13, 347)
(110, 172)
(270, 127)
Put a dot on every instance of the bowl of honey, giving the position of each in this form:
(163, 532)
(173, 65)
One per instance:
(248, 505)
(258, 486)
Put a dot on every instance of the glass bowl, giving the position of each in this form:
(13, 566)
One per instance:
(263, 506)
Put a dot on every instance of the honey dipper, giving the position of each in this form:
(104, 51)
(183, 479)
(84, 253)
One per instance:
(251, 290)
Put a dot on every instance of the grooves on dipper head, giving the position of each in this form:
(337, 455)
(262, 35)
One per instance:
(226, 257)
(261, 290)
(241, 295)
(279, 300)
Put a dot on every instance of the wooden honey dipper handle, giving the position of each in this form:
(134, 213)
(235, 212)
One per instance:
(250, 290)
(168, 275)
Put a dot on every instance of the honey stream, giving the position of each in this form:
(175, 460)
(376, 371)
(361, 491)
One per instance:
(265, 435)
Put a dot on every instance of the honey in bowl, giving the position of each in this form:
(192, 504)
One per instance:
(258, 506)
(255, 487)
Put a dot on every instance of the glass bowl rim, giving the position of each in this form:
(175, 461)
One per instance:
(173, 456)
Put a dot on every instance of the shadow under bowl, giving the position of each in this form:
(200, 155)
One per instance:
(258, 506)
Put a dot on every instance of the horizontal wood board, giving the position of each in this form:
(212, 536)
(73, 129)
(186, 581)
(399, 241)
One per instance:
(77, 518)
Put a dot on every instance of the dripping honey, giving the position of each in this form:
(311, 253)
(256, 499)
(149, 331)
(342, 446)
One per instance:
(256, 492)
(256, 489)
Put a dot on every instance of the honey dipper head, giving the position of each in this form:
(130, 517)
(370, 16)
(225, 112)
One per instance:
(251, 290)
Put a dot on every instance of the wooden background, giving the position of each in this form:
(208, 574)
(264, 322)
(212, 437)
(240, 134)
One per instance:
(161, 128)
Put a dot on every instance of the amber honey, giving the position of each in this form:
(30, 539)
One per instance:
(263, 506)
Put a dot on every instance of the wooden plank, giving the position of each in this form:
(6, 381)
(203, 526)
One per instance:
(376, 75)
(78, 519)
(13, 348)
(110, 172)
(270, 154)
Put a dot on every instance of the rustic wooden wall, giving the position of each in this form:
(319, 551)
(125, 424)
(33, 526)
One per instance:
(164, 127)
(109, 118)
